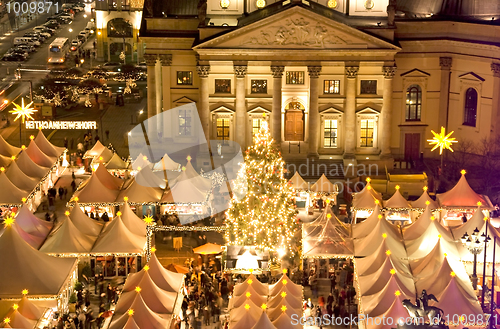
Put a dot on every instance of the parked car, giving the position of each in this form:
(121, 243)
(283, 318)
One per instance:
(44, 29)
(35, 35)
(16, 50)
(79, 7)
(81, 38)
(75, 44)
(52, 24)
(46, 35)
(13, 57)
(26, 47)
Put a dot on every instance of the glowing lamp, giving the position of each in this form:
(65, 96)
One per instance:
(427, 202)
(453, 274)
(188, 158)
(224, 4)
(283, 294)
(130, 312)
(23, 147)
(442, 141)
(250, 281)
(250, 270)
(485, 219)
(119, 213)
(285, 271)
(146, 267)
(327, 201)
(379, 216)
(445, 255)
(397, 187)
(433, 218)
(6, 320)
(153, 249)
(24, 292)
(247, 307)
(125, 198)
(463, 172)
(13, 157)
(387, 252)
(15, 306)
(425, 188)
(8, 221)
(248, 294)
(384, 235)
(376, 201)
(23, 111)
(183, 168)
(138, 289)
(145, 158)
(2, 169)
(66, 213)
(32, 137)
(139, 168)
(332, 4)
(148, 220)
(479, 203)
(439, 236)
(397, 293)
(368, 188)
(285, 281)
(368, 179)
(101, 158)
(264, 306)
(392, 271)
(260, 3)
(328, 216)
(283, 308)
(76, 199)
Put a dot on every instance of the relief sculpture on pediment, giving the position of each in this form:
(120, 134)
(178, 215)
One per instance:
(298, 32)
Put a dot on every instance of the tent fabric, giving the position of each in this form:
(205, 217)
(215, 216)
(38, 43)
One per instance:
(47, 147)
(94, 191)
(5, 161)
(241, 300)
(8, 150)
(116, 163)
(289, 300)
(177, 268)
(83, 223)
(95, 150)
(32, 224)
(418, 227)
(20, 179)
(259, 287)
(189, 173)
(129, 324)
(314, 228)
(360, 230)
(364, 200)
(395, 311)
(375, 282)
(104, 157)
(275, 288)
(185, 191)
(147, 178)
(477, 220)
(29, 310)
(38, 156)
(453, 300)
(166, 163)
(298, 182)
(67, 239)
(132, 221)
(29, 167)
(240, 313)
(431, 263)
(250, 288)
(379, 303)
(371, 263)
(285, 322)
(208, 248)
(108, 180)
(424, 244)
(323, 185)
(118, 239)
(420, 203)
(33, 240)
(10, 193)
(264, 322)
(368, 189)
(461, 195)
(328, 227)
(327, 246)
(17, 320)
(364, 247)
(31, 269)
(397, 201)
(276, 312)
(140, 162)
(138, 193)
(143, 316)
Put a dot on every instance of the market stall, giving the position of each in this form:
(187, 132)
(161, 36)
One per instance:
(398, 209)
(166, 163)
(302, 195)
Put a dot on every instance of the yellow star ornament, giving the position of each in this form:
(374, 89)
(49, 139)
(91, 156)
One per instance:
(442, 141)
(23, 111)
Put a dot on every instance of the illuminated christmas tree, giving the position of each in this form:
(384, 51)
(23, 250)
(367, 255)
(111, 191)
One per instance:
(262, 212)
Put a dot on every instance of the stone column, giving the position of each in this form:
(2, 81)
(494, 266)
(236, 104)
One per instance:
(445, 63)
(386, 115)
(314, 124)
(276, 115)
(166, 62)
(203, 103)
(351, 73)
(495, 106)
(151, 81)
(240, 72)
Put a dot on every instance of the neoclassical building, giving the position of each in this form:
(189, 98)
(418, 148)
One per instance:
(349, 79)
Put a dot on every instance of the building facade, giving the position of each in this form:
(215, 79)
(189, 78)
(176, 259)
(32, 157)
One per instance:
(349, 79)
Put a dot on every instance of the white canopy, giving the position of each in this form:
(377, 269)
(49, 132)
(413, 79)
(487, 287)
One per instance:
(5, 161)
(418, 227)
(33, 240)
(47, 147)
(360, 230)
(243, 313)
(17, 320)
(323, 185)
(104, 157)
(41, 274)
(421, 202)
(253, 283)
(424, 244)
(9, 193)
(67, 239)
(85, 224)
(431, 263)
(140, 162)
(365, 200)
(364, 247)
(130, 324)
(289, 300)
(95, 150)
(284, 281)
(32, 224)
(94, 191)
(166, 163)
(264, 322)
(20, 179)
(29, 167)
(108, 180)
(132, 221)
(461, 195)
(377, 304)
(28, 309)
(396, 311)
(285, 322)
(324, 225)
(316, 225)
(138, 193)
(454, 300)
(372, 263)
(275, 312)
(143, 316)
(38, 156)
(189, 173)
(241, 300)
(8, 150)
(148, 178)
(477, 220)
(116, 163)
(298, 182)
(118, 239)
(186, 191)
(397, 201)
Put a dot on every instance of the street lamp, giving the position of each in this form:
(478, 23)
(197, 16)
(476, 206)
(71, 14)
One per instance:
(486, 240)
(474, 244)
(81, 62)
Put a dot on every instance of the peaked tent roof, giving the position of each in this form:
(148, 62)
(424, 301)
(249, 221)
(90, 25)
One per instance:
(264, 322)
(166, 163)
(285, 322)
(189, 173)
(364, 246)
(20, 179)
(431, 263)
(32, 224)
(395, 311)
(8, 150)
(423, 245)
(418, 227)
(370, 190)
(140, 162)
(38, 156)
(256, 285)
(67, 239)
(5, 161)
(147, 177)
(275, 312)
(138, 193)
(397, 201)
(130, 324)
(298, 182)
(47, 147)
(378, 304)
(320, 221)
(453, 300)
(275, 289)
(108, 180)
(278, 300)
(360, 230)
(143, 316)
(241, 313)
(328, 226)
(94, 191)
(17, 320)
(185, 191)
(118, 239)
(241, 300)
(421, 202)
(95, 150)
(364, 200)
(10, 193)
(323, 185)
(41, 274)
(105, 156)
(116, 163)
(29, 167)
(83, 223)
(461, 195)
(132, 221)
(31, 239)
(159, 301)
(477, 220)
(29, 309)
(372, 263)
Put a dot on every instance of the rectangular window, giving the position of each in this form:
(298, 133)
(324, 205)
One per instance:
(331, 87)
(369, 87)
(367, 133)
(184, 78)
(330, 133)
(295, 77)
(223, 129)
(223, 86)
(259, 86)
(184, 122)
(256, 126)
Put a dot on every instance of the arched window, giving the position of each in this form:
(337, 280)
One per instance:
(120, 28)
(413, 103)
(470, 111)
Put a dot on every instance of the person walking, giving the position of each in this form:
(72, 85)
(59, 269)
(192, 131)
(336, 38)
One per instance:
(61, 192)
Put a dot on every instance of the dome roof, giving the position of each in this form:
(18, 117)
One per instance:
(463, 9)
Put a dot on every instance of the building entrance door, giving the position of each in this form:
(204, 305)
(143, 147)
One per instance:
(412, 147)
(294, 125)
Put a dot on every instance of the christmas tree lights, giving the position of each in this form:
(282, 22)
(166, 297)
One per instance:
(262, 211)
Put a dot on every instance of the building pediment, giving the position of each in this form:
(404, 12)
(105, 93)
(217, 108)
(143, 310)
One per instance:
(296, 28)
(471, 76)
(415, 73)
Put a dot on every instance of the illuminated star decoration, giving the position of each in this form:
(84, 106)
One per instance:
(23, 111)
(8, 221)
(442, 141)
(148, 220)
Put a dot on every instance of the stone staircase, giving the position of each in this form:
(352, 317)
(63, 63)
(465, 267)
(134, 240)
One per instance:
(312, 169)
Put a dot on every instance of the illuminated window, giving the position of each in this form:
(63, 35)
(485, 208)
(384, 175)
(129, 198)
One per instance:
(470, 113)
(184, 77)
(185, 122)
(367, 133)
(413, 103)
(369, 87)
(223, 129)
(330, 132)
(259, 86)
(332, 87)
(295, 77)
(256, 126)
(223, 86)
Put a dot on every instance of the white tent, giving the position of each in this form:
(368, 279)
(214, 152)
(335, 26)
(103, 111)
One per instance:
(5, 161)
(332, 240)
(95, 150)
(29, 167)
(38, 156)
(284, 281)
(368, 189)
(249, 295)
(94, 191)
(140, 162)
(316, 225)
(148, 178)
(477, 220)
(28, 309)
(253, 283)
(67, 239)
(118, 239)
(323, 185)
(32, 224)
(166, 163)
(372, 263)
(461, 196)
(33, 240)
(431, 263)
(264, 322)
(395, 312)
(360, 230)
(41, 274)
(377, 304)
(243, 312)
(421, 202)
(140, 194)
(189, 173)
(275, 312)
(158, 300)
(364, 200)
(298, 182)
(396, 201)
(17, 320)
(10, 194)
(143, 316)
(424, 244)
(383, 230)
(104, 157)
(85, 224)
(108, 180)
(8, 150)
(324, 225)
(132, 221)
(116, 163)
(47, 147)
(454, 300)
(285, 322)
(20, 179)
(418, 227)
(186, 191)
(129, 324)
(288, 299)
